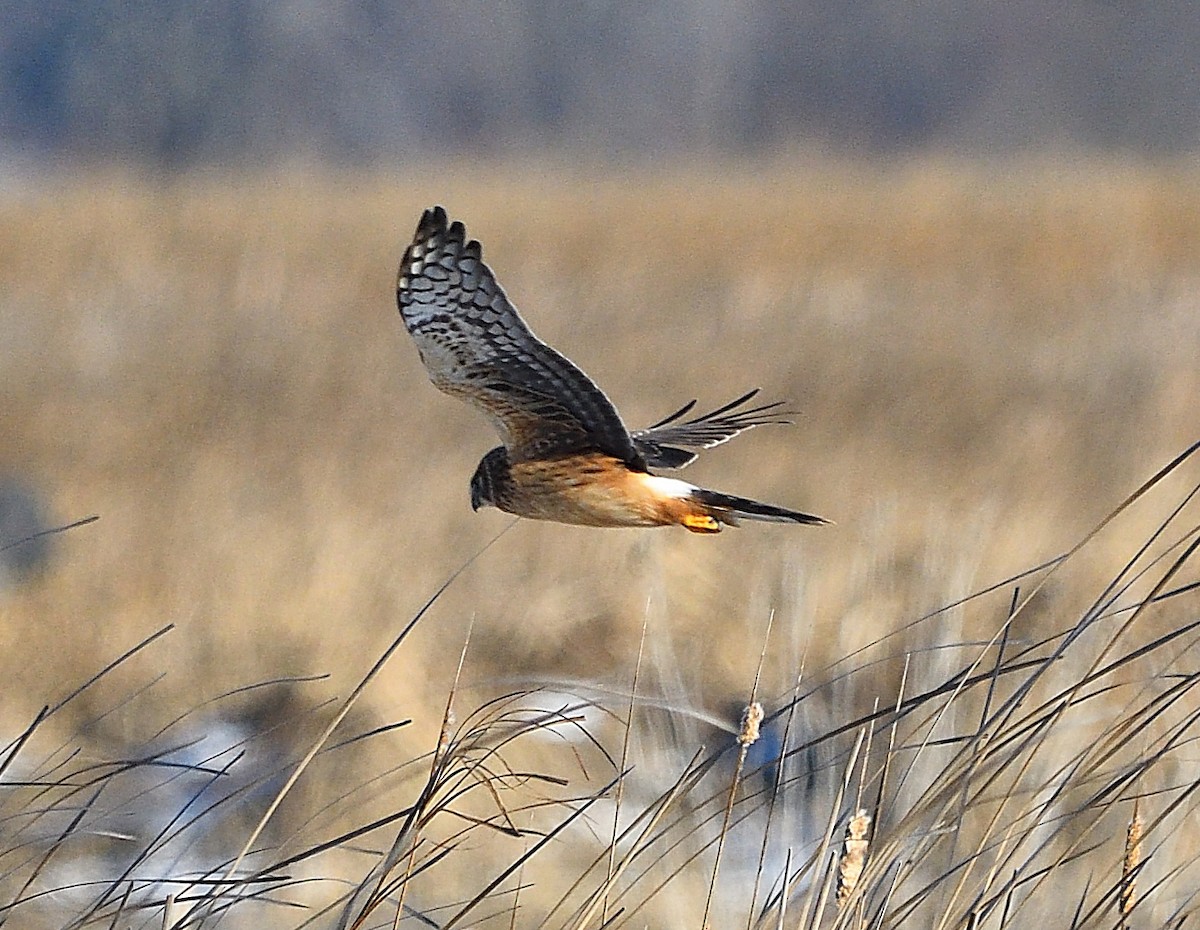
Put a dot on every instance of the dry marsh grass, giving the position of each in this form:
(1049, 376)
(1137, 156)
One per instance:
(984, 361)
(1012, 781)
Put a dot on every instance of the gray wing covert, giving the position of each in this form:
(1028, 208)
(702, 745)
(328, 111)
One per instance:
(475, 346)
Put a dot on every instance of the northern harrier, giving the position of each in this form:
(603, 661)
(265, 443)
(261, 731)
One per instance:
(566, 455)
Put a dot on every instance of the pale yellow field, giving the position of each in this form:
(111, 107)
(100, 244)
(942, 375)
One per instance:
(984, 362)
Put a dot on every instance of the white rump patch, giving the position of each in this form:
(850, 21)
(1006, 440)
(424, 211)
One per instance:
(668, 487)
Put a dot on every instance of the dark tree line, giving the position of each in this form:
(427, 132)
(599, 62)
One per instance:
(170, 82)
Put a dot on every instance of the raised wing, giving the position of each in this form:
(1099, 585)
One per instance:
(659, 444)
(475, 346)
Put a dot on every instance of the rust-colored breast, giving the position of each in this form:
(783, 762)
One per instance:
(589, 490)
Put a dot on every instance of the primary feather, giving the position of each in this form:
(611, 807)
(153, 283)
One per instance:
(659, 444)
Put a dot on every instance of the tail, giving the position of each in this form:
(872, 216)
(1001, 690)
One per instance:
(726, 508)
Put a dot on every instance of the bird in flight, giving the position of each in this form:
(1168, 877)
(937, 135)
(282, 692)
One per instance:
(566, 455)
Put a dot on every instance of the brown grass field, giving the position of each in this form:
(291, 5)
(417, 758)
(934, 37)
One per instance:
(984, 361)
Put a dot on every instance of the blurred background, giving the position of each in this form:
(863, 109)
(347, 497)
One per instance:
(172, 84)
(961, 240)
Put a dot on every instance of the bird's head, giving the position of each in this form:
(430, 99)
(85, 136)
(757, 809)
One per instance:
(492, 469)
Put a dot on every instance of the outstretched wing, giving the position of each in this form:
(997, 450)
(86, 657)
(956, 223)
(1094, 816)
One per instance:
(475, 346)
(659, 444)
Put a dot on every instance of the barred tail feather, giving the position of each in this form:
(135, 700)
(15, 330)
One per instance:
(728, 509)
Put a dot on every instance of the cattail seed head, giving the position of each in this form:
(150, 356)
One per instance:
(444, 735)
(854, 856)
(1133, 857)
(752, 718)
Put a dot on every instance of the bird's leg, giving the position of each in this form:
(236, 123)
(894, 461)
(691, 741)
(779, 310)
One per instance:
(701, 523)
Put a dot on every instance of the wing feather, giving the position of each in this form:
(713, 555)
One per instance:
(475, 346)
(660, 444)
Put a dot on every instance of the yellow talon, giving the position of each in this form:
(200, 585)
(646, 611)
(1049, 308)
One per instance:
(701, 523)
